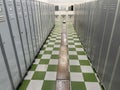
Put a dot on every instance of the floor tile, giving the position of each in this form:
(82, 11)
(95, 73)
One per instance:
(87, 69)
(24, 85)
(35, 85)
(74, 62)
(74, 68)
(46, 56)
(48, 85)
(41, 67)
(84, 62)
(44, 61)
(82, 57)
(78, 86)
(50, 76)
(92, 86)
(52, 68)
(38, 75)
(78, 77)
(90, 77)
(53, 62)
(37, 61)
(29, 75)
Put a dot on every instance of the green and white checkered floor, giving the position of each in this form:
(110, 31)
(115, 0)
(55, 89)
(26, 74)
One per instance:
(42, 75)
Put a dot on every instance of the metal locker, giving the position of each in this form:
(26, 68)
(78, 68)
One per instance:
(108, 30)
(16, 34)
(39, 24)
(41, 28)
(27, 28)
(8, 45)
(100, 29)
(114, 52)
(6, 82)
(35, 21)
(19, 14)
(31, 24)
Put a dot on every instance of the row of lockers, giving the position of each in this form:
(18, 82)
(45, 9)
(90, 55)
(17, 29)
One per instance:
(97, 24)
(24, 26)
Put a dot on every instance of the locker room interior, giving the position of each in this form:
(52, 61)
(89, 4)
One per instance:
(59, 45)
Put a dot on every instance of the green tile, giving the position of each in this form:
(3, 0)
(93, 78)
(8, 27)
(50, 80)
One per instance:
(39, 56)
(52, 40)
(81, 53)
(44, 47)
(89, 77)
(44, 61)
(38, 75)
(49, 45)
(56, 49)
(78, 46)
(78, 86)
(48, 52)
(33, 67)
(73, 57)
(24, 85)
(74, 68)
(70, 43)
(58, 43)
(52, 68)
(48, 85)
(55, 57)
(72, 49)
(84, 62)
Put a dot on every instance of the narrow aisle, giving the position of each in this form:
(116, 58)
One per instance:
(42, 74)
(81, 73)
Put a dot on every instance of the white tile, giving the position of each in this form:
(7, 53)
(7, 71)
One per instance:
(51, 43)
(41, 67)
(37, 61)
(50, 76)
(76, 39)
(76, 62)
(92, 86)
(29, 75)
(78, 43)
(53, 62)
(35, 85)
(72, 53)
(76, 77)
(49, 48)
(55, 52)
(46, 56)
(82, 57)
(70, 41)
(42, 51)
(56, 45)
(87, 69)
(71, 46)
(79, 49)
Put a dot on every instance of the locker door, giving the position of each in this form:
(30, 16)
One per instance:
(39, 24)
(108, 30)
(35, 23)
(22, 30)
(5, 83)
(13, 23)
(31, 25)
(27, 28)
(41, 18)
(8, 45)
